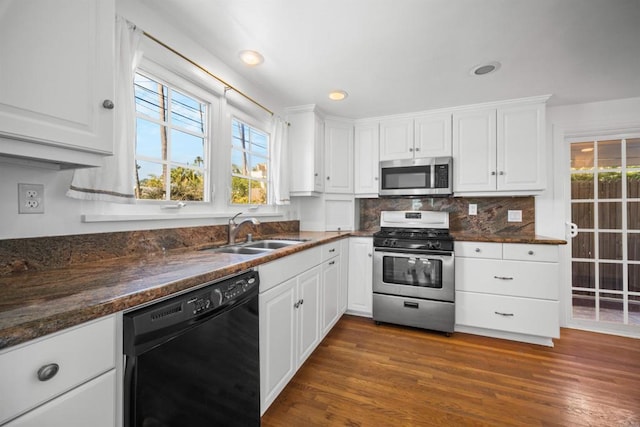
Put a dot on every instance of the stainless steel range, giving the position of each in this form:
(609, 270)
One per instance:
(413, 270)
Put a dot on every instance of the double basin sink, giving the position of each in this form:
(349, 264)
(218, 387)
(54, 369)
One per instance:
(256, 248)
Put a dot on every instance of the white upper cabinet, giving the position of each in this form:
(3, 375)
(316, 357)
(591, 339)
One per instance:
(427, 135)
(432, 133)
(520, 145)
(474, 150)
(306, 145)
(500, 149)
(57, 80)
(338, 165)
(366, 168)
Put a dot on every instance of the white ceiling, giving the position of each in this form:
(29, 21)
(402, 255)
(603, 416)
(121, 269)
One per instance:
(398, 56)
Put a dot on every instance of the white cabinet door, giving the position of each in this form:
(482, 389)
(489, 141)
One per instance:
(360, 295)
(366, 168)
(520, 148)
(344, 275)
(308, 313)
(306, 148)
(433, 135)
(474, 150)
(396, 139)
(338, 157)
(91, 404)
(330, 293)
(57, 69)
(278, 329)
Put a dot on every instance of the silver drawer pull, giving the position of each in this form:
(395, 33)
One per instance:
(503, 314)
(332, 250)
(503, 278)
(47, 372)
(409, 304)
(477, 249)
(332, 262)
(530, 252)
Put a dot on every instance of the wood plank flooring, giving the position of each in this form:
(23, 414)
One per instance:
(386, 375)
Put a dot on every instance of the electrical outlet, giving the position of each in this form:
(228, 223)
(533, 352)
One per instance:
(514, 216)
(473, 209)
(30, 198)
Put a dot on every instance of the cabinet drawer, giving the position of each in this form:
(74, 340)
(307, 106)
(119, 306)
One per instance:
(511, 314)
(275, 272)
(527, 252)
(330, 250)
(81, 353)
(512, 278)
(478, 250)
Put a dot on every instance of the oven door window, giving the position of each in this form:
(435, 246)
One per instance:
(406, 177)
(412, 271)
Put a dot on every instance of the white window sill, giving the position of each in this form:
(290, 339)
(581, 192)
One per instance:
(170, 216)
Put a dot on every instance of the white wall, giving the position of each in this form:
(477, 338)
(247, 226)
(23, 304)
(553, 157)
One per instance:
(63, 215)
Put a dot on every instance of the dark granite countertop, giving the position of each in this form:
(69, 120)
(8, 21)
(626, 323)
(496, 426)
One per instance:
(538, 240)
(33, 304)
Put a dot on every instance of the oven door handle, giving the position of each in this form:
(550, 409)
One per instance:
(403, 251)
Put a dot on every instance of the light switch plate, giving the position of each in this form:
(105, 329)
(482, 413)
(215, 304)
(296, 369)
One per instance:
(473, 209)
(514, 216)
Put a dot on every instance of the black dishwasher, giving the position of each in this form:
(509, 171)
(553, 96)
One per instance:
(193, 359)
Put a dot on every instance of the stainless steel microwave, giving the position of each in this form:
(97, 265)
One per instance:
(431, 176)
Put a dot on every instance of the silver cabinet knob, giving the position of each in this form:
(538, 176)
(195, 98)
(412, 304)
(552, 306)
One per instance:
(47, 372)
(493, 173)
(370, 255)
(501, 172)
(315, 174)
(477, 249)
(375, 178)
(530, 252)
(108, 104)
(411, 150)
(417, 148)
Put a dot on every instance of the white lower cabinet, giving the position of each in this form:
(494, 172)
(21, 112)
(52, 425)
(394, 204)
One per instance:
(66, 379)
(299, 304)
(360, 291)
(508, 291)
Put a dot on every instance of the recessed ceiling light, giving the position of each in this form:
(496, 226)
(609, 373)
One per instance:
(251, 57)
(482, 69)
(337, 95)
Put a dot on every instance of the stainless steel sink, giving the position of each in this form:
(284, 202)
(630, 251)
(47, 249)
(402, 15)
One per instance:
(240, 250)
(271, 244)
(255, 248)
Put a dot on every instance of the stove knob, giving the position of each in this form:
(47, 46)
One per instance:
(436, 245)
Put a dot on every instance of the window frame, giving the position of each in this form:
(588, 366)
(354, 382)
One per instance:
(261, 126)
(175, 80)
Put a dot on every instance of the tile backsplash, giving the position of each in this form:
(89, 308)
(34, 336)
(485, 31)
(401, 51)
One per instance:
(491, 218)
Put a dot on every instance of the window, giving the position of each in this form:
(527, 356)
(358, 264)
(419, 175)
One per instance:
(249, 165)
(172, 142)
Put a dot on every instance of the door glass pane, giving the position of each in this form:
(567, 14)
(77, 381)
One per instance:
(609, 185)
(582, 214)
(582, 186)
(611, 308)
(583, 275)
(634, 310)
(609, 154)
(611, 276)
(633, 152)
(633, 184)
(582, 245)
(584, 305)
(610, 245)
(633, 215)
(633, 246)
(634, 277)
(610, 215)
(582, 155)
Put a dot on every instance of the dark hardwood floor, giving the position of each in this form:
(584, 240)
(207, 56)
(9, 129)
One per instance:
(368, 375)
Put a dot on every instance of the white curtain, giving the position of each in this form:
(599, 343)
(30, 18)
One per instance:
(280, 161)
(114, 180)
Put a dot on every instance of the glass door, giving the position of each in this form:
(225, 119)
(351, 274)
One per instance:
(605, 254)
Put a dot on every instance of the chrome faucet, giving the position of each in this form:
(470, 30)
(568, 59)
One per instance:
(233, 227)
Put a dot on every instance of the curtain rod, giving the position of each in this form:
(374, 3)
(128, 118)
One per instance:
(201, 68)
